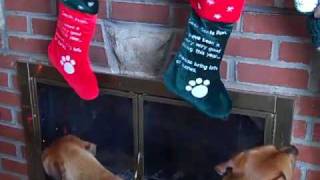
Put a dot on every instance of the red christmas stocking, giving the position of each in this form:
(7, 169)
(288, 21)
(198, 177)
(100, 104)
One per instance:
(68, 51)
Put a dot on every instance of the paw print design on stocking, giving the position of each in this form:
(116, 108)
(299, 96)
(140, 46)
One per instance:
(198, 87)
(68, 64)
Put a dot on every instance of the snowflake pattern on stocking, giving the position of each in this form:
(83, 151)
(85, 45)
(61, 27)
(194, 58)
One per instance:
(230, 8)
(216, 16)
(210, 2)
(218, 10)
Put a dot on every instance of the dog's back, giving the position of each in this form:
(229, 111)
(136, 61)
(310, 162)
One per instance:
(71, 158)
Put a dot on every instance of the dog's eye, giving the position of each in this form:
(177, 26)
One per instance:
(280, 177)
(228, 171)
(87, 146)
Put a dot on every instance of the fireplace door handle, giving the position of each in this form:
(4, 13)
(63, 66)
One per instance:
(136, 174)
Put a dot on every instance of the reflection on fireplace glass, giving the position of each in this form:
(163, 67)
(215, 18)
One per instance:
(106, 121)
(182, 144)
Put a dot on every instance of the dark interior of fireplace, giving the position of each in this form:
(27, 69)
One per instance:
(179, 143)
(106, 122)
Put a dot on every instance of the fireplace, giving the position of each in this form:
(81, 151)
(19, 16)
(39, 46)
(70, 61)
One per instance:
(141, 130)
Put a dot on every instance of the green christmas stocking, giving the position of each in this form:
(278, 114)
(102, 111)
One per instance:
(194, 73)
(86, 6)
(314, 30)
(311, 8)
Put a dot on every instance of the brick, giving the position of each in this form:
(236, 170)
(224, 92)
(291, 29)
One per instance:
(289, 4)
(178, 41)
(299, 129)
(17, 23)
(19, 118)
(316, 132)
(12, 133)
(223, 69)
(24, 152)
(8, 61)
(37, 6)
(259, 2)
(5, 114)
(252, 48)
(296, 52)
(6, 176)
(28, 45)
(280, 24)
(149, 13)
(313, 175)
(180, 16)
(308, 106)
(43, 26)
(102, 9)
(8, 148)
(9, 98)
(14, 166)
(98, 55)
(15, 82)
(309, 154)
(98, 34)
(3, 79)
(254, 73)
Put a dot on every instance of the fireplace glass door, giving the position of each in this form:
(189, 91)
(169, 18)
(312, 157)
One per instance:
(173, 140)
(183, 144)
(142, 131)
(176, 141)
(106, 122)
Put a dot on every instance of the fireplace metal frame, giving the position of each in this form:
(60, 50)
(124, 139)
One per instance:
(277, 110)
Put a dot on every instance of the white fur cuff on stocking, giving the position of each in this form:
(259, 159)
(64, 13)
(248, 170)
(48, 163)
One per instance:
(306, 6)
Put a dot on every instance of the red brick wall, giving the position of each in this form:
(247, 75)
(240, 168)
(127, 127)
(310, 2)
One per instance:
(269, 52)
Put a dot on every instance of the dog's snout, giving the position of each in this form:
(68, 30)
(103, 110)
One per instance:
(290, 150)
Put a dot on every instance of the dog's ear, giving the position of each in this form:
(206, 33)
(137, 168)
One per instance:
(281, 176)
(56, 170)
(292, 150)
(288, 168)
(286, 174)
(233, 164)
(92, 148)
(88, 146)
(60, 169)
(224, 168)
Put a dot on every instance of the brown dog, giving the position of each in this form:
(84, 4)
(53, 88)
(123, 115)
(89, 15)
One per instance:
(261, 163)
(70, 158)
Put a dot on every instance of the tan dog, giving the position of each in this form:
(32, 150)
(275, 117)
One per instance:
(261, 163)
(70, 158)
